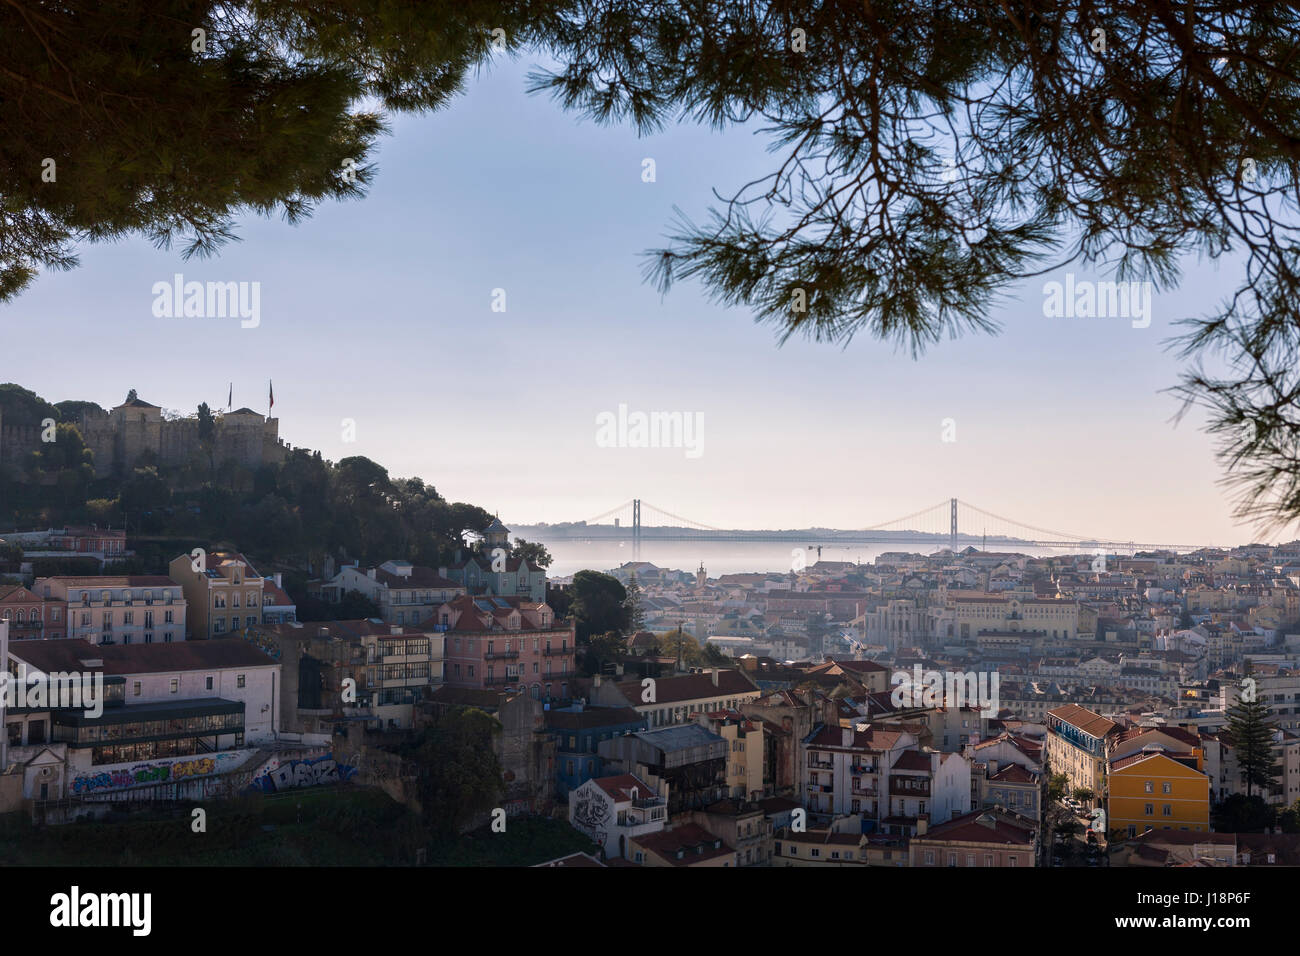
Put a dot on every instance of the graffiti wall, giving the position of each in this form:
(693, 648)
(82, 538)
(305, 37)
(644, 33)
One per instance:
(294, 774)
(177, 770)
(591, 812)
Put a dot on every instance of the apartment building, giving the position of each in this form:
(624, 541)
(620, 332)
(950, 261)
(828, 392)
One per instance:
(491, 570)
(982, 838)
(1154, 789)
(31, 616)
(615, 809)
(687, 845)
(669, 701)
(406, 594)
(847, 770)
(173, 713)
(116, 609)
(392, 669)
(1078, 744)
(745, 751)
(507, 643)
(223, 592)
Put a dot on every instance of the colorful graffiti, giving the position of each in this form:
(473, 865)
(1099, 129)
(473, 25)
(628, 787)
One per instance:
(294, 774)
(119, 778)
(264, 643)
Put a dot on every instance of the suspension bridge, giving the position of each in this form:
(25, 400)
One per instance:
(951, 523)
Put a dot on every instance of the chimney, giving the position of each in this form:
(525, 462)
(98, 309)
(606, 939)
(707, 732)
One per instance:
(846, 736)
(921, 826)
(370, 573)
(715, 676)
(442, 572)
(278, 583)
(597, 680)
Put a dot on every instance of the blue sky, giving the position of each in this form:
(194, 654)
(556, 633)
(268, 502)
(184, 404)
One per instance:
(379, 311)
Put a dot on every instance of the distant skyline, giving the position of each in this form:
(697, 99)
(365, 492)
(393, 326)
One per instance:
(380, 311)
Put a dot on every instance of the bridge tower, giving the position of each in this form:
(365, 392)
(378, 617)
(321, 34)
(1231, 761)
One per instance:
(636, 529)
(954, 526)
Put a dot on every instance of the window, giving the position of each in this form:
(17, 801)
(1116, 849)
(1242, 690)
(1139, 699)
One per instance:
(1149, 787)
(1167, 810)
(175, 685)
(207, 683)
(1149, 809)
(239, 681)
(135, 688)
(1166, 787)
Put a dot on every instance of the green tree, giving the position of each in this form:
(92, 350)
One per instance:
(635, 613)
(598, 605)
(207, 432)
(1251, 732)
(458, 773)
(683, 646)
(1241, 813)
(531, 551)
(1056, 785)
(602, 652)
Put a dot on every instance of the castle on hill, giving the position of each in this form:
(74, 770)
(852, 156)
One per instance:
(124, 435)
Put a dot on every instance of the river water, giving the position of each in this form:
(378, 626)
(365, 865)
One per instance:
(723, 557)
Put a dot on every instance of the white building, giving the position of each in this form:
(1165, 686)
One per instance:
(181, 713)
(611, 810)
(119, 609)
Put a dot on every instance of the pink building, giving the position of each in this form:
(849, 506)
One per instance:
(506, 643)
(31, 616)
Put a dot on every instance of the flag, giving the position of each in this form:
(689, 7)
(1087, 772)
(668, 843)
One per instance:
(272, 387)
(230, 402)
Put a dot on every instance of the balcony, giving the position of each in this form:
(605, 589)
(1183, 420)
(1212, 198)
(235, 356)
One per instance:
(501, 655)
(554, 651)
(821, 764)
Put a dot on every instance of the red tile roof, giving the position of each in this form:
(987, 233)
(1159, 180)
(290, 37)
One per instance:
(620, 787)
(71, 655)
(695, 843)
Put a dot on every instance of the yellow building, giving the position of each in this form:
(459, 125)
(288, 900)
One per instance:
(223, 591)
(745, 750)
(688, 845)
(967, 616)
(1078, 746)
(1152, 791)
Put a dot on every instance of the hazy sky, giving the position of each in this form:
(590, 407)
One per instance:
(379, 311)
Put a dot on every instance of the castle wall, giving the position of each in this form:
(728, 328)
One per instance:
(119, 438)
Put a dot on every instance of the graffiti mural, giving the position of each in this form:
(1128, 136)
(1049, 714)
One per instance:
(295, 774)
(591, 814)
(144, 774)
(264, 643)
